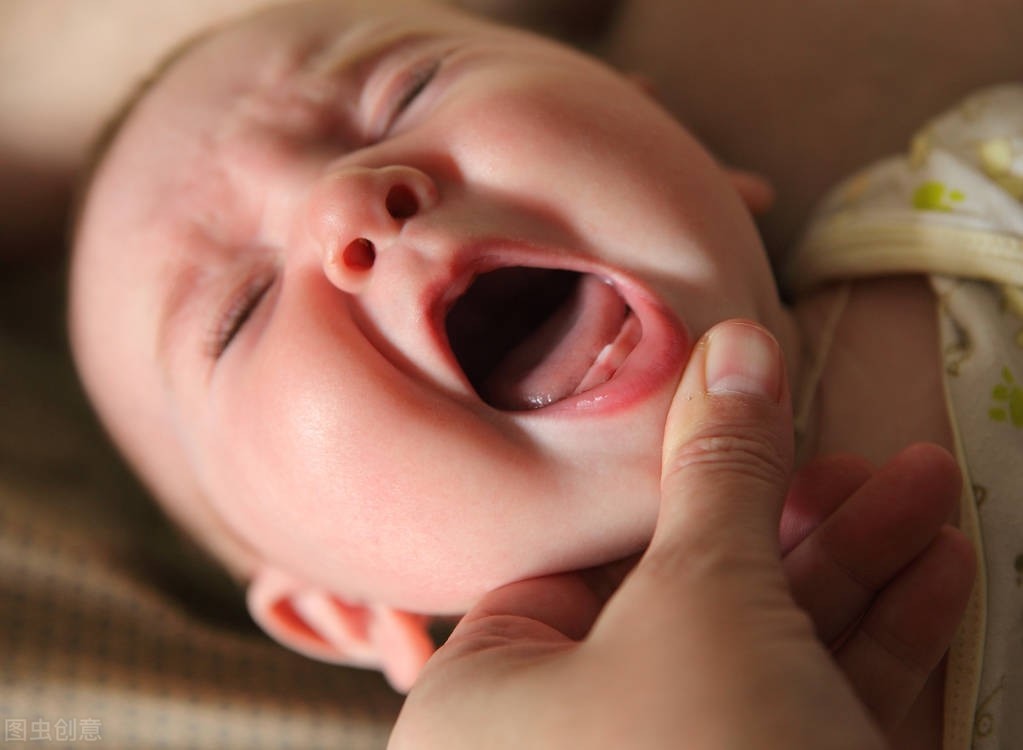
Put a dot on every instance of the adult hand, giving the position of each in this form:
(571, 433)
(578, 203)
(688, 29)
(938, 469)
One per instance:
(703, 643)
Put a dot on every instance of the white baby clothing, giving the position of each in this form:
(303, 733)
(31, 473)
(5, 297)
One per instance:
(952, 208)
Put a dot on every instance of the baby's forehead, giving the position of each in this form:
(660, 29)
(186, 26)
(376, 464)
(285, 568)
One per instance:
(288, 72)
(295, 43)
(171, 140)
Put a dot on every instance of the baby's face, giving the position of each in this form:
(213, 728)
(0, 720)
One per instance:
(405, 296)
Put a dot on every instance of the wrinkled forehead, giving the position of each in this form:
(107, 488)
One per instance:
(165, 177)
(173, 154)
(229, 72)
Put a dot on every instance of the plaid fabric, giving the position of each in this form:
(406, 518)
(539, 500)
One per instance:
(115, 631)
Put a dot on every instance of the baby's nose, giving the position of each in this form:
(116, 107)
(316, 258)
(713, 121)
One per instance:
(355, 213)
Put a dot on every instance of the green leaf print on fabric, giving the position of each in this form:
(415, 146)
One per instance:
(935, 196)
(1008, 396)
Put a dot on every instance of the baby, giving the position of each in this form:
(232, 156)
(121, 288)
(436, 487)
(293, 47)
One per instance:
(388, 304)
(339, 256)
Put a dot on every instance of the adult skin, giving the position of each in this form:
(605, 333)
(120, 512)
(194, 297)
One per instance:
(703, 644)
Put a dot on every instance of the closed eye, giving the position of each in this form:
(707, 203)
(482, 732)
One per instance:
(240, 306)
(414, 84)
(418, 82)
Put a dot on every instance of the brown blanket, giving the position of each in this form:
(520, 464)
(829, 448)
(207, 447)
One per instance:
(114, 631)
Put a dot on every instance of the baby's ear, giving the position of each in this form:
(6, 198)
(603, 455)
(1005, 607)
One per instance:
(322, 626)
(756, 191)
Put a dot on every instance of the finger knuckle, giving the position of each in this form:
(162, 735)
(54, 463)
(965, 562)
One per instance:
(742, 454)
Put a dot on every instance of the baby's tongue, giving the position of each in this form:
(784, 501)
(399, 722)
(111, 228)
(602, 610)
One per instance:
(554, 360)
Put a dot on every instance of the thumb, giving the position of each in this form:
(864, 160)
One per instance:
(728, 448)
(707, 611)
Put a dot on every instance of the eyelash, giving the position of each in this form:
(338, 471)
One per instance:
(417, 81)
(240, 308)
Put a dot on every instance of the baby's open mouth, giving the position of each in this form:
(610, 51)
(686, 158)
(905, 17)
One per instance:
(530, 337)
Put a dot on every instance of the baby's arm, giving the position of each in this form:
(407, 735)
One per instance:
(65, 65)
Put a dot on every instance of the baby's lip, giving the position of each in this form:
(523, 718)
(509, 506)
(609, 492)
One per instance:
(646, 344)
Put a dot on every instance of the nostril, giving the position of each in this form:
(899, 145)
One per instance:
(401, 202)
(359, 254)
